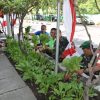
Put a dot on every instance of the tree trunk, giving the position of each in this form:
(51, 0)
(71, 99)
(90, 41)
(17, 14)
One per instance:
(86, 90)
(21, 32)
(12, 26)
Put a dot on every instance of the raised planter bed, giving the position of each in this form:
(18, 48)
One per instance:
(34, 83)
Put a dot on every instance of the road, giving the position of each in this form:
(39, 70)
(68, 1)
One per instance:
(94, 31)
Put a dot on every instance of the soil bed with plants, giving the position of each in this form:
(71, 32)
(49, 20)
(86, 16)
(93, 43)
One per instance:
(31, 85)
(38, 73)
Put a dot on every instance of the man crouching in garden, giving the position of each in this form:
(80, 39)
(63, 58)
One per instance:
(63, 42)
(85, 68)
(86, 58)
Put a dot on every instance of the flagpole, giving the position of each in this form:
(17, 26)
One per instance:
(57, 37)
(8, 25)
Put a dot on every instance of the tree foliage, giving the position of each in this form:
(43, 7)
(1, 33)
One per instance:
(88, 6)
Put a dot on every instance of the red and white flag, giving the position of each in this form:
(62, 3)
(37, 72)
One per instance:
(69, 17)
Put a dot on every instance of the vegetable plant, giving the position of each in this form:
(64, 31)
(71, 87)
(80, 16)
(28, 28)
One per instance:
(44, 38)
(72, 64)
(39, 69)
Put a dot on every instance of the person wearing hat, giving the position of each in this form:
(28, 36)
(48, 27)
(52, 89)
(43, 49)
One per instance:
(87, 53)
(86, 58)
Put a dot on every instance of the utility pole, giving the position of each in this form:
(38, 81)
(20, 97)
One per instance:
(57, 38)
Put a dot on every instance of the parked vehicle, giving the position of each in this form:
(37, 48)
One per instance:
(39, 17)
(86, 20)
(78, 20)
(53, 18)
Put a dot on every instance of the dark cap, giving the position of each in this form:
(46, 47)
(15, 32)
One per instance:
(85, 44)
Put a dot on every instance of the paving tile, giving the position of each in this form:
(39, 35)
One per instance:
(11, 83)
(12, 87)
(20, 94)
(7, 72)
(4, 62)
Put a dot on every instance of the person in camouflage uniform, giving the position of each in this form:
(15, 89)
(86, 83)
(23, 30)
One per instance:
(87, 53)
(86, 58)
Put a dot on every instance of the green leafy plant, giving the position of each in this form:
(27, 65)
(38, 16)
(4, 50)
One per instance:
(92, 92)
(27, 29)
(44, 38)
(26, 34)
(39, 69)
(35, 40)
(72, 90)
(46, 82)
(72, 64)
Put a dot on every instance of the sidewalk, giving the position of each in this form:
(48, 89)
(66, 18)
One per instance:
(12, 86)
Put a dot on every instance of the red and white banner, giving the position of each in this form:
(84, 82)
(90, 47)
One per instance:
(69, 17)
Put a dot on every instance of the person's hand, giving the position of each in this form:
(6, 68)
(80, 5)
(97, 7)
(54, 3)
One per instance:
(39, 48)
(67, 77)
(80, 71)
(47, 47)
(31, 34)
